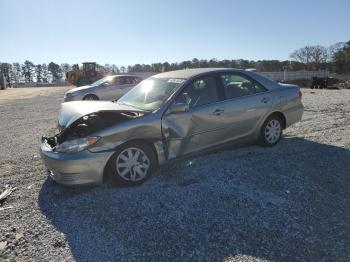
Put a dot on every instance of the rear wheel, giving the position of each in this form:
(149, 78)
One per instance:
(90, 97)
(132, 164)
(271, 131)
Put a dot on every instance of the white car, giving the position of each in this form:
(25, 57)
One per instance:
(108, 88)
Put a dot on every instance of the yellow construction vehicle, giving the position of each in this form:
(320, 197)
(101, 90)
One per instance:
(85, 76)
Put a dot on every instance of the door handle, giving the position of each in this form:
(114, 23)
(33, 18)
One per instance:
(265, 100)
(218, 112)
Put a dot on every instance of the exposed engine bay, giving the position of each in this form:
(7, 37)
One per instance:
(89, 124)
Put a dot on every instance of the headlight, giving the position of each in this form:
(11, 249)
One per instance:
(71, 94)
(76, 145)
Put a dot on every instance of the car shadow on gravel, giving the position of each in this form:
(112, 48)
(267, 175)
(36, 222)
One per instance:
(290, 202)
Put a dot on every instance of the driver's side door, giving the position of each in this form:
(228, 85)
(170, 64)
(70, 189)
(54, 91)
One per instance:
(202, 125)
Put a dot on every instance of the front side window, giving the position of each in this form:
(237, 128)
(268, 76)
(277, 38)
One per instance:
(106, 81)
(200, 92)
(236, 85)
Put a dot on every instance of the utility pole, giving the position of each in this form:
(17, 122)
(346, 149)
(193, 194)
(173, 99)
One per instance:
(285, 73)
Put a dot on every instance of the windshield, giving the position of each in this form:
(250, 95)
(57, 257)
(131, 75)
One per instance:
(151, 93)
(107, 79)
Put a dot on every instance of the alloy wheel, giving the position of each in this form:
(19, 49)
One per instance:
(272, 131)
(132, 164)
(90, 97)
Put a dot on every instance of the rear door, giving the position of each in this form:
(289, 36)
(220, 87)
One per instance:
(202, 126)
(246, 102)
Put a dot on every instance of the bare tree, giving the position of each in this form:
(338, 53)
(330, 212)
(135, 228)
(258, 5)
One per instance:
(318, 54)
(333, 49)
(302, 55)
(311, 56)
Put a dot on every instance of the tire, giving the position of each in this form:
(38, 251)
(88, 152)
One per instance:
(271, 131)
(90, 97)
(124, 169)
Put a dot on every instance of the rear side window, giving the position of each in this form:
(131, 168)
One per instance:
(201, 92)
(128, 80)
(236, 85)
(135, 80)
(121, 80)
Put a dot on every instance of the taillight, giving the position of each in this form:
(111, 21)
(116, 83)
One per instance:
(300, 94)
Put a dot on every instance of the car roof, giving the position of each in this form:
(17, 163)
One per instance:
(125, 75)
(188, 73)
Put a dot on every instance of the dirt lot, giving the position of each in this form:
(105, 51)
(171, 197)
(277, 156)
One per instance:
(290, 202)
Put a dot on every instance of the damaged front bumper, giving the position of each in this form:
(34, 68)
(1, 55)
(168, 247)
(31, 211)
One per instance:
(78, 168)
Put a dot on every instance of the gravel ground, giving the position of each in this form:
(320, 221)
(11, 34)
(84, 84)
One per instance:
(290, 202)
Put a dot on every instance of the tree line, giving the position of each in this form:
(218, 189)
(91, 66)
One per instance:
(335, 58)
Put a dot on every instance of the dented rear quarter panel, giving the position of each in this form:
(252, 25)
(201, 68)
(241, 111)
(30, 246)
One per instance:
(287, 101)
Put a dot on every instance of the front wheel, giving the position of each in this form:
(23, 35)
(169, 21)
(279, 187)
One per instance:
(90, 97)
(132, 164)
(271, 131)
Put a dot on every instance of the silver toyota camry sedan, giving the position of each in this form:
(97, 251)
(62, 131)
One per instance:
(108, 88)
(165, 117)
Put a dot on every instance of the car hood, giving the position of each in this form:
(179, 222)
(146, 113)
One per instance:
(80, 88)
(72, 111)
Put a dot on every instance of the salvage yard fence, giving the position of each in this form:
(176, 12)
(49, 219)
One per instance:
(294, 75)
(36, 84)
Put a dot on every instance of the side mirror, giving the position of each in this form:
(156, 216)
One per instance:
(178, 108)
(104, 84)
